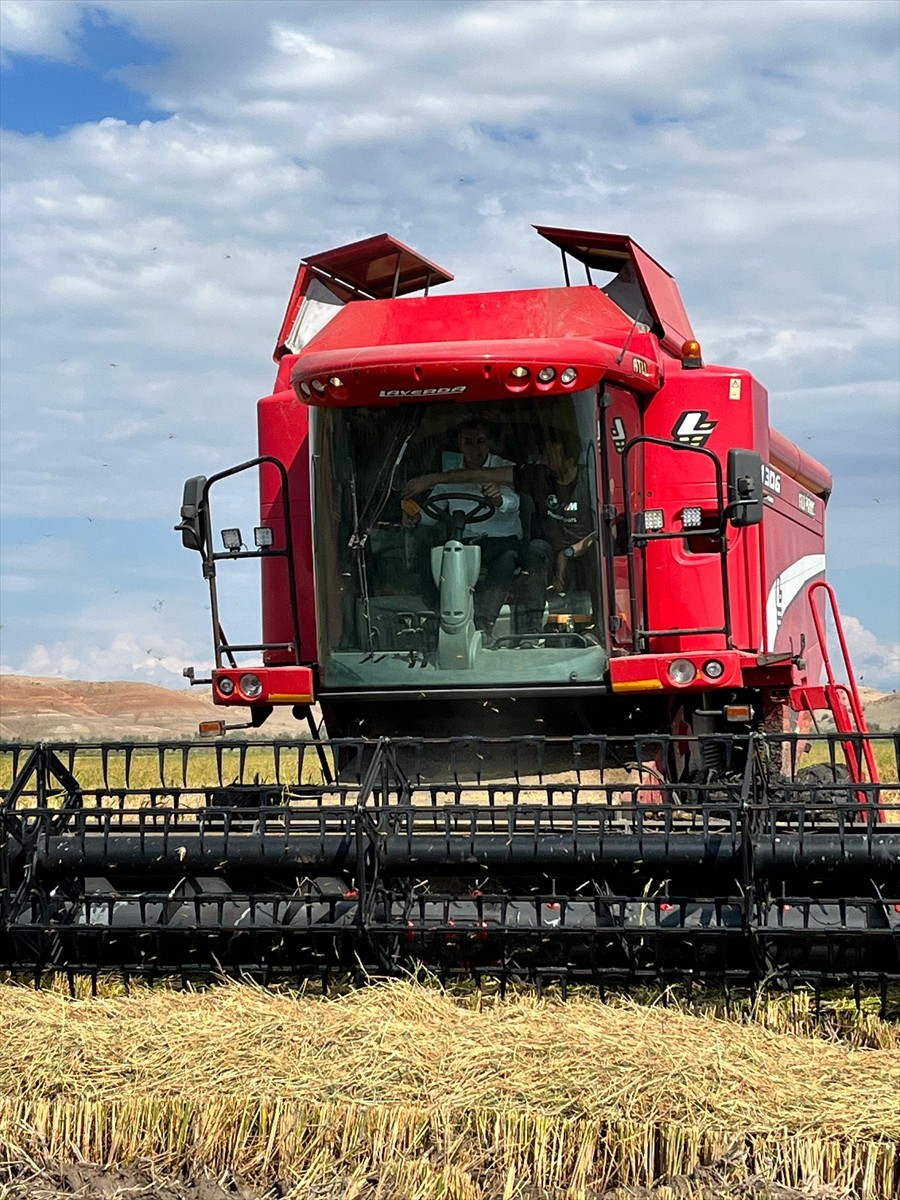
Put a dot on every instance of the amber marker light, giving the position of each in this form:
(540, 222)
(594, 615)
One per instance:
(691, 356)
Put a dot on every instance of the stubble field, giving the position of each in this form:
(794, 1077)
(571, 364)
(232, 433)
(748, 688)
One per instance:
(406, 1092)
(403, 1091)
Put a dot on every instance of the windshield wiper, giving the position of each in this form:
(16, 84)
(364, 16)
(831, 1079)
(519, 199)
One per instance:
(368, 517)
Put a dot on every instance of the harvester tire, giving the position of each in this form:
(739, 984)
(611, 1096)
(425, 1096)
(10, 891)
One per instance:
(820, 777)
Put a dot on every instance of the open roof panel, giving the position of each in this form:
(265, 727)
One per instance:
(377, 268)
(380, 267)
(617, 252)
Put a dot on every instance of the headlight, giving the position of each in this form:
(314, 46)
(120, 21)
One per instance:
(682, 671)
(547, 374)
(251, 685)
(226, 686)
(569, 375)
(713, 669)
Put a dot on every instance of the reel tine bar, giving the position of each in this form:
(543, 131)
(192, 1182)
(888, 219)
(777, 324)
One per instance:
(576, 860)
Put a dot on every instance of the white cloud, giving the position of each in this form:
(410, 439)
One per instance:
(125, 635)
(876, 662)
(293, 42)
(120, 658)
(739, 143)
(39, 27)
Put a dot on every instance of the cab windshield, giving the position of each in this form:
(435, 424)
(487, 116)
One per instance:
(456, 544)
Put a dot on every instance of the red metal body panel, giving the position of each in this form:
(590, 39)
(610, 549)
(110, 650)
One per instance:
(283, 425)
(684, 586)
(283, 377)
(485, 318)
(649, 673)
(280, 685)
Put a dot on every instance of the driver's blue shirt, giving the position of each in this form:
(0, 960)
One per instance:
(505, 520)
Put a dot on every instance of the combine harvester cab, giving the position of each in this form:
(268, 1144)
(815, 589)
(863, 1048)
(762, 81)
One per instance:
(556, 588)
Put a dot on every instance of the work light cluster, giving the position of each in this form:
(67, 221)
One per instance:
(516, 380)
(545, 375)
(233, 539)
(655, 518)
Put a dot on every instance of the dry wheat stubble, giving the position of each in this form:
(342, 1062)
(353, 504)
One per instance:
(577, 1095)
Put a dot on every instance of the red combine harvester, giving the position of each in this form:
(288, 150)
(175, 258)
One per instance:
(556, 587)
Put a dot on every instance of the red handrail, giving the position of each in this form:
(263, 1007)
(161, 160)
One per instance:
(835, 691)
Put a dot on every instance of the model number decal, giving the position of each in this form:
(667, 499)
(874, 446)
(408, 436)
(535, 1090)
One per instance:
(771, 479)
(806, 504)
(403, 392)
(639, 366)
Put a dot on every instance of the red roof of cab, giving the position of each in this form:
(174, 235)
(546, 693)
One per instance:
(483, 319)
(609, 252)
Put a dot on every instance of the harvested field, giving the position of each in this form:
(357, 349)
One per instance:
(59, 1181)
(403, 1091)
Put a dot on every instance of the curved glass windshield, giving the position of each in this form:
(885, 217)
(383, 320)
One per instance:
(456, 544)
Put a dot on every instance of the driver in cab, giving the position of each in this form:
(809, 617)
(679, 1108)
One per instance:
(498, 536)
(564, 524)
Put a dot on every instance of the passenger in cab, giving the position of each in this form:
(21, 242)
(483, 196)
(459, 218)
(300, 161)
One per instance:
(563, 528)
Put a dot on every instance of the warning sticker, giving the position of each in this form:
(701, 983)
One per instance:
(734, 389)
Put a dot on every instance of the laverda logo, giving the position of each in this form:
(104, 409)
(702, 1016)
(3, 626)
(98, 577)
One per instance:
(693, 428)
(402, 393)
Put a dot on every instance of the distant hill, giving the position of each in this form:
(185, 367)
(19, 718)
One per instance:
(34, 709)
(43, 709)
(882, 711)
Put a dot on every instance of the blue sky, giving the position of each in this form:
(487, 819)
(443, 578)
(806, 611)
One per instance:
(167, 163)
(43, 95)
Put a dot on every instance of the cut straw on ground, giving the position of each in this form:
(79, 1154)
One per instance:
(447, 1097)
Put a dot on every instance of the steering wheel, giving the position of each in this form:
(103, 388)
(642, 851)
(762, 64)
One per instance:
(482, 511)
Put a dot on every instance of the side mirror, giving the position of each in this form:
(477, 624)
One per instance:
(745, 493)
(191, 524)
